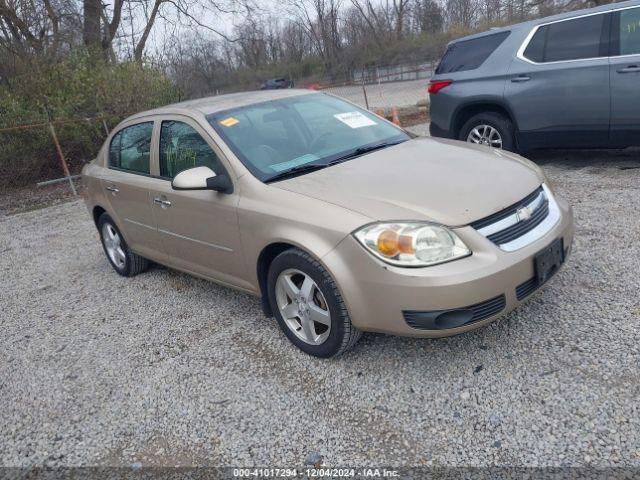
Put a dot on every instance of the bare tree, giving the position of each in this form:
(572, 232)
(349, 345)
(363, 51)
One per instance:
(320, 20)
(428, 16)
(462, 13)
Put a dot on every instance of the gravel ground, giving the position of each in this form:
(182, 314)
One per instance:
(165, 369)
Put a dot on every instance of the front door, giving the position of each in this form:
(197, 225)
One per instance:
(199, 228)
(625, 78)
(558, 86)
(128, 183)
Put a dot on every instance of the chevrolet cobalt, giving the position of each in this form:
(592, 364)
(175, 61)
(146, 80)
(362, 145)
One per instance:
(338, 220)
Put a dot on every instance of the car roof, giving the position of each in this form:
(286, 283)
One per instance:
(561, 16)
(218, 103)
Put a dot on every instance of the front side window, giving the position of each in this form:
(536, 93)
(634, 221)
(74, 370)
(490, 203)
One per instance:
(130, 148)
(581, 38)
(279, 136)
(469, 54)
(182, 147)
(629, 31)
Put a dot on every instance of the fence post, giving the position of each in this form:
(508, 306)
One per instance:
(104, 124)
(364, 91)
(65, 167)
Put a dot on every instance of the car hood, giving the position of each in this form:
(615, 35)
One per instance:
(438, 180)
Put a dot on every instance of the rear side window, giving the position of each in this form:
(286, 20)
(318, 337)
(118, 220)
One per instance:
(569, 40)
(182, 147)
(130, 148)
(627, 32)
(470, 54)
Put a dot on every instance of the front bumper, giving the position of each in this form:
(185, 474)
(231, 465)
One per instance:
(378, 295)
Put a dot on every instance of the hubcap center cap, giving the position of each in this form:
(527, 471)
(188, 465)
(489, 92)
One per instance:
(302, 306)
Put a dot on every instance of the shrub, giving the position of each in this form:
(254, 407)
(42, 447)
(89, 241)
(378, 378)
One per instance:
(68, 92)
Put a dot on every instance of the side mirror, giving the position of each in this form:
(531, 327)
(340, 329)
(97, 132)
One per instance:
(201, 178)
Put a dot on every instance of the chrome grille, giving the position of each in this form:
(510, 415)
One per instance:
(523, 226)
(503, 214)
(527, 219)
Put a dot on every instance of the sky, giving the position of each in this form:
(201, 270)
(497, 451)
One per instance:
(166, 28)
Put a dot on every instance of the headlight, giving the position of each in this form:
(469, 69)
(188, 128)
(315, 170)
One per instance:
(412, 244)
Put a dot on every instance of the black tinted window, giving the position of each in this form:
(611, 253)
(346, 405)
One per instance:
(568, 40)
(131, 147)
(181, 147)
(470, 54)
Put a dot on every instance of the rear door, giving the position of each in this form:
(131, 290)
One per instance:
(625, 77)
(128, 182)
(199, 228)
(558, 86)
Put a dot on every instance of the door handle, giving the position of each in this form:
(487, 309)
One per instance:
(630, 69)
(112, 189)
(520, 79)
(161, 202)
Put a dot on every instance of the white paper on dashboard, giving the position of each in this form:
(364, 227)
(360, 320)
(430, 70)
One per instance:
(355, 119)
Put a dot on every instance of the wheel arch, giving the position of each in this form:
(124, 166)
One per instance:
(468, 110)
(266, 257)
(96, 212)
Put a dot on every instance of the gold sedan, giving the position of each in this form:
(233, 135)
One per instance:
(339, 220)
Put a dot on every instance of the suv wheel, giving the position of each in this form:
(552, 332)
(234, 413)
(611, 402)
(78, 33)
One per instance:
(308, 306)
(122, 259)
(490, 129)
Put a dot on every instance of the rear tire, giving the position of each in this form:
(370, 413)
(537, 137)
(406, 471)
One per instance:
(474, 128)
(333, 333)
(120, 256)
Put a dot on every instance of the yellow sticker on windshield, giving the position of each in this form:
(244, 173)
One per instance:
(229, 122)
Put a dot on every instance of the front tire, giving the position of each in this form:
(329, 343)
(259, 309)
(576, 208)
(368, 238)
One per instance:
(308, 306)
(490, 129)
(121, 258)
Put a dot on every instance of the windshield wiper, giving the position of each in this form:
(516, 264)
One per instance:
(309, 167)
(362, 150)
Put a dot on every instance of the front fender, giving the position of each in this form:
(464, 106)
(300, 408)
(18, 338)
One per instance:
(269, 215)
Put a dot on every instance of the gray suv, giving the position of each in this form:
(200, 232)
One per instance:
(567, 81)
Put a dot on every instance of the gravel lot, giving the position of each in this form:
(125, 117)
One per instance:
(386, 95)
(165, 369)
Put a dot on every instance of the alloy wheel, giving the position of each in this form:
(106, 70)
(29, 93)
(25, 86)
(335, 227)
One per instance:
(113, 245)
(485, 135)
(303, 306)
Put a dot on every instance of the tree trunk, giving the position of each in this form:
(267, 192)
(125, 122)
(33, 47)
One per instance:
(139, 50)
(91, 24)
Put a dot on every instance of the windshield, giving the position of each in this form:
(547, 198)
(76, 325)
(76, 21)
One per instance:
(278, 136)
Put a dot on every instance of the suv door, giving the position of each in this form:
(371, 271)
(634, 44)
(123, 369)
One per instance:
(625, 77)
(128, 182)
(199, 228)
(558, 85)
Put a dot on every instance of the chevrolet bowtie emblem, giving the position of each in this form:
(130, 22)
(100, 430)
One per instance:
(524, 213)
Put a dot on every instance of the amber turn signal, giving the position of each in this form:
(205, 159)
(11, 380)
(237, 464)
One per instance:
(390, 243)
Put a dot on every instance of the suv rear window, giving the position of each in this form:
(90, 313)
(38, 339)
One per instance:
(569, 40)
(470, 54)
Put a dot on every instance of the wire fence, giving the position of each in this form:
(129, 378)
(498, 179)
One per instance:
(401, 94)
(50, 153)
